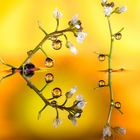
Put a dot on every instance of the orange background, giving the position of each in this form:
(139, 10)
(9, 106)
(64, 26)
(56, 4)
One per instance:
(19, 105)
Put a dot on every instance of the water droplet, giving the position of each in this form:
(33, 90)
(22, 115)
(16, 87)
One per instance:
(49, 78)
(49, 62)
(57, 92)
(118, 36)
(101, 57)
(57, 45)
(101, 83)
(117, 105)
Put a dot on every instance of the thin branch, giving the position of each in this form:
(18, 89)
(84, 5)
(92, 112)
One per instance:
(57, 113)
(43, 41)
(43, 87)
(110, 72)
(29, 83)
(119, 31)
(3, 62)
(39, 113)
(57, 20)
(41, 28)
(6, 77)
(43, 51)
(64, 102)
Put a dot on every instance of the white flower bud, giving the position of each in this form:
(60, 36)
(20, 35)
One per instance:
(81, 105)
(74, 20)
(106, 131)
(122, 9)
(79, 98)
(71, 47)
(57, 122)
(71, 92)
(120, 130)
(57, 14)
(107, 10)
(73, 120)
(81, 101)
(81, 36)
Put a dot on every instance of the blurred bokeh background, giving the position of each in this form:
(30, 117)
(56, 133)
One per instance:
(19, 105)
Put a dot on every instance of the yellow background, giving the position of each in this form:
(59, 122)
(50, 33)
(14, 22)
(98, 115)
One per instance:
(19, 105)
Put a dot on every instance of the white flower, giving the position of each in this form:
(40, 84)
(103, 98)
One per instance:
(71, 92)
(74, 20)
(122, 9)
(79, 97)
(81, 36)
(120, 130)
(73, 50)
(57, 14)
(57, 122)
(81, 102)
(107, 10)
(81, 105)
(71, 47)
(106, 131)
(73, 120)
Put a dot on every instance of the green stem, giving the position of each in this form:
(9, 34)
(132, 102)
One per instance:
(44, 87)
(39, 113)
(46, 101)
(57, 113)
(64, 102)
(119, 31)
(110, 72)
(29, 83)
(55, 33)
(43, 51)
(2, 61)
(57, 20)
